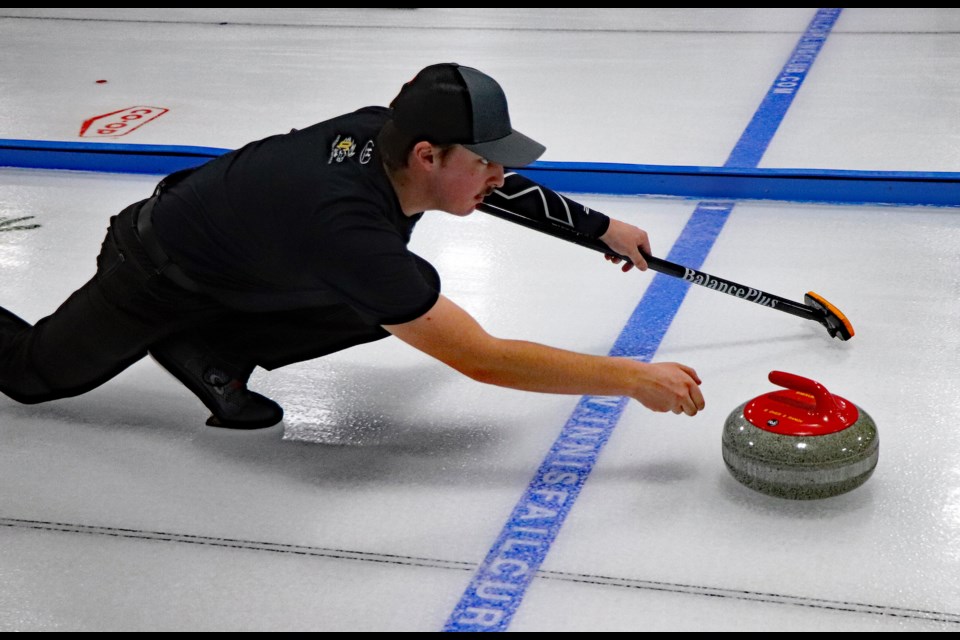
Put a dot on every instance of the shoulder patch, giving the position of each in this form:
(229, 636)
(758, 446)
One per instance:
(342, 148)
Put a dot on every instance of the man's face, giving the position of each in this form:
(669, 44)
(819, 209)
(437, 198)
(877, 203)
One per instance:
(465, 179)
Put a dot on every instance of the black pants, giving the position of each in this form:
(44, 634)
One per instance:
(112, 321)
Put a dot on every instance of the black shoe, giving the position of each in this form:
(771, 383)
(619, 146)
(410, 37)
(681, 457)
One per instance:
(224, 392)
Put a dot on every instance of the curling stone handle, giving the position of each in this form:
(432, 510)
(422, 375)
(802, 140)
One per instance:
(824, 399)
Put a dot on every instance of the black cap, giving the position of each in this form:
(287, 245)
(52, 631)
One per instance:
(452, 104)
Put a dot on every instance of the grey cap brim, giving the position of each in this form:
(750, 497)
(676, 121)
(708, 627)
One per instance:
(514, 150)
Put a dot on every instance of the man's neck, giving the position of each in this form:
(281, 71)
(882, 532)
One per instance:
(410, 195)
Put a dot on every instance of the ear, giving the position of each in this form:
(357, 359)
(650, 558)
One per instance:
(424, 155)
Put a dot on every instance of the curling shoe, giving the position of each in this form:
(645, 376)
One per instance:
(223, 391)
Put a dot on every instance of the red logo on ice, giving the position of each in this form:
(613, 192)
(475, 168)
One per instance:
(119, 123)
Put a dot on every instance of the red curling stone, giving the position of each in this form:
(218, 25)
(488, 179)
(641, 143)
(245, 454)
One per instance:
(800, 443)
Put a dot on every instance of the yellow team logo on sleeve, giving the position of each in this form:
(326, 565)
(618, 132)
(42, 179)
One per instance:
(342, 149)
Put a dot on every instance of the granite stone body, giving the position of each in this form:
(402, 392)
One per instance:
(800, 467)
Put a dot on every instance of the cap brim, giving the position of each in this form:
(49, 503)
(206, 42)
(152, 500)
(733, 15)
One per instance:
(514, 150)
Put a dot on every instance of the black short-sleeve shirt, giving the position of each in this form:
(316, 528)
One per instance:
(304, 219)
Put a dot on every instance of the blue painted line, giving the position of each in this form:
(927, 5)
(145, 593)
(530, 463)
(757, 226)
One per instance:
(653, 315)
(103, 156)
(732, 182)
(498, 587)
(500, 583)
(768, 116)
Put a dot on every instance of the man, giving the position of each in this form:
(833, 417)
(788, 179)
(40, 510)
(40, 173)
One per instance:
(295, 246)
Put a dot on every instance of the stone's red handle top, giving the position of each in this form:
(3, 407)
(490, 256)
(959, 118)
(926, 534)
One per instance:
(804, 408)
(826, 404)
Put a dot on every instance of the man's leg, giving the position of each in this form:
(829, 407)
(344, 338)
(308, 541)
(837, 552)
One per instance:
(218, 378)
(101, 329)
(215, 360)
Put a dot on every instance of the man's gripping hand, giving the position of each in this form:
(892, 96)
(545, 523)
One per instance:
(627, 240)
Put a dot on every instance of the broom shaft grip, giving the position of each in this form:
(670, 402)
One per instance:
(664, 266)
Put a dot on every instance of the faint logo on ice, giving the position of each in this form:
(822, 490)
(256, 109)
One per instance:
(119, 123)
(13, 224)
